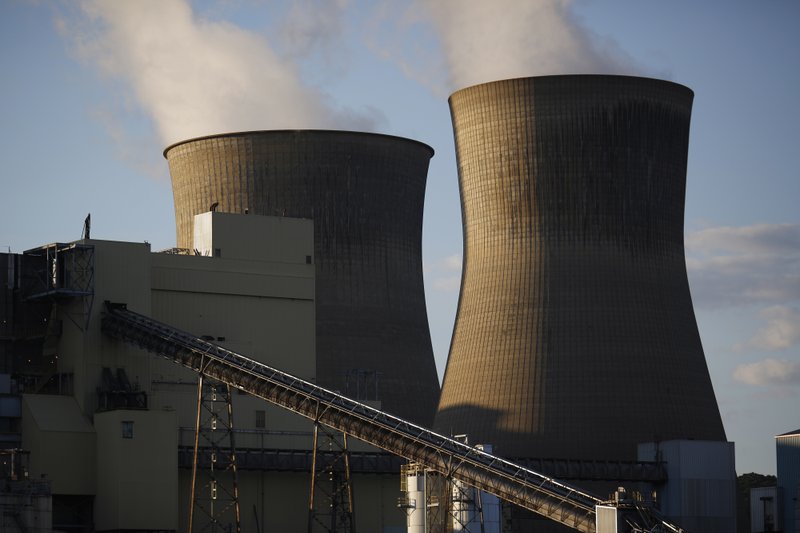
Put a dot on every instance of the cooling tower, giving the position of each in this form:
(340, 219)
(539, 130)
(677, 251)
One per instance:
(365, 194)
(575, 335)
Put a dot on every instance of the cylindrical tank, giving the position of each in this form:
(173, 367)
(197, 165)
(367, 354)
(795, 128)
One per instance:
(575, 335)
(365, 194)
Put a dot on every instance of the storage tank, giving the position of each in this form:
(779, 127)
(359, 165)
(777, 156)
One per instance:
(575, 335)
(365, 193)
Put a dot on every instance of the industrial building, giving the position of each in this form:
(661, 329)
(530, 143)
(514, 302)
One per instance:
(575, 351)
(112, 427)
(787, 452)
(364, 193)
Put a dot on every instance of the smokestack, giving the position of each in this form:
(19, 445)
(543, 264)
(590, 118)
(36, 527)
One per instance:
(575, 335)
(365, 194)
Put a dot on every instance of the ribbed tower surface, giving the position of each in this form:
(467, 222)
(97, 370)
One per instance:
(575, 335)
(365, 193)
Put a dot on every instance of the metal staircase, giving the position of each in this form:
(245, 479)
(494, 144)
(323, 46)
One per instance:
(510, 482)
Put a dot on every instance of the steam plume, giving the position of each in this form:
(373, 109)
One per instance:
(485, 41)
(197, 77)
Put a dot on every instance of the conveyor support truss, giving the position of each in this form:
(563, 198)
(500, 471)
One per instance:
(513, 483)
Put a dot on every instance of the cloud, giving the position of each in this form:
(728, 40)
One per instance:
(751, 265)
(766, 239)
(441, 273)
(451, 263)
(782, 330)
(769, 372)
(486, 41)
(194, 76)
(447, 284)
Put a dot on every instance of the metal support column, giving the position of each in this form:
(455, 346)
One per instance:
(330, 502)
(214, 502)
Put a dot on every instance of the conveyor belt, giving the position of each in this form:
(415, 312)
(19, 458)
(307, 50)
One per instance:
(526, 488)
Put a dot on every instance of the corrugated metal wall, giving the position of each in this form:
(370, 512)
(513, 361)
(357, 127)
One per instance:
(788, 460)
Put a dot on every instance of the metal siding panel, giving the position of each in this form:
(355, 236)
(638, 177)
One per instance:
(787, 450)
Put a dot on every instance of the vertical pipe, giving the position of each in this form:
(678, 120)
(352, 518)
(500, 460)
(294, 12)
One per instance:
(348, 482)
(233, 462)
(196, 447)
(313, 476)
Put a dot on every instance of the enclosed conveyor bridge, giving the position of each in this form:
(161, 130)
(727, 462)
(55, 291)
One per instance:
(513, 483)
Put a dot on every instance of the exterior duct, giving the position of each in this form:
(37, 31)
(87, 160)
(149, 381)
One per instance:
(575, 335)
(365, 193)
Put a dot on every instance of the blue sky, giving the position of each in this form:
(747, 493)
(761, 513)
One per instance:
(92, 91)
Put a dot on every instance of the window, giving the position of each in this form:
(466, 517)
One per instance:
(127, 429)
(261, 419)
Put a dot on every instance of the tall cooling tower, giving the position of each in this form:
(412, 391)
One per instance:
(365, 193)
(575, 335)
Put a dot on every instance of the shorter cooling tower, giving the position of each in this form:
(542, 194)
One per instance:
(575, 335)
(365, 193)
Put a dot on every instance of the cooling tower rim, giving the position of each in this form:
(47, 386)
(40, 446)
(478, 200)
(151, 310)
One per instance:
(642, 79)
(384, 136)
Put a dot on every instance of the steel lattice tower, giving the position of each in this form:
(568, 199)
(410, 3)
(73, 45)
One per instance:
(330, 502)
(575, 335)
(214, 505)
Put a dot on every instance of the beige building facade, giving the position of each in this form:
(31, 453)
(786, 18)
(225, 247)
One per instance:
(116, 442)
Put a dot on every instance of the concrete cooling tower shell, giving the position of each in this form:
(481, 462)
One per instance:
(575, 335)
(365, 194)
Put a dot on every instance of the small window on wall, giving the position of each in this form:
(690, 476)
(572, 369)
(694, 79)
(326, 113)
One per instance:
(127, 429)
(261, 419)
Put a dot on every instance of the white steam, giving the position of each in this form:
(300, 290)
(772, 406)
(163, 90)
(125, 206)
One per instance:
(194, 76)
(484, 41)
(197, 77)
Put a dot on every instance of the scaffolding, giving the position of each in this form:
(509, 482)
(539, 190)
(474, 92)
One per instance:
(25, 504)
(62, 271)
(61, 276)
(426, 500)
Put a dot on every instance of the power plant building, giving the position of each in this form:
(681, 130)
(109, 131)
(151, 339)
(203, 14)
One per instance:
(111, 428)
(365, 194)
(575, 336)
(575, 346)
